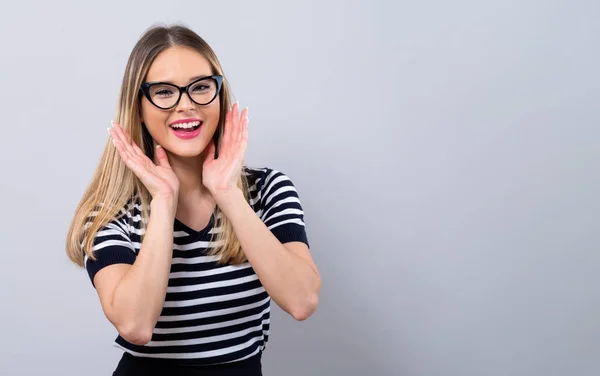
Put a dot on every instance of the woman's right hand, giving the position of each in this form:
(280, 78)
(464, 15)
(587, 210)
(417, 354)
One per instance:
(159, 178)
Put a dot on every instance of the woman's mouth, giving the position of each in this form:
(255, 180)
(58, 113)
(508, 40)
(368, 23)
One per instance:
(187, 130)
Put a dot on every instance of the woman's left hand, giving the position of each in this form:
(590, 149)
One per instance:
(220, 175)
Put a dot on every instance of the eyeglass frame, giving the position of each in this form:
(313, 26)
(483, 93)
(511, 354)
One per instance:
(145, 89)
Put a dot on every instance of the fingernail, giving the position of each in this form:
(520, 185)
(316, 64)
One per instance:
(157, 146)
(112, 124)
(108, 130)
(114, 141)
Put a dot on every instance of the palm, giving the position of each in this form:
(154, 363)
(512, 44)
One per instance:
(158, 177)
(221, 174)
(155, 177)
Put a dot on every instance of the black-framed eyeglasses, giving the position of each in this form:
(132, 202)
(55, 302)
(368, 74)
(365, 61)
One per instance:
(165, 95)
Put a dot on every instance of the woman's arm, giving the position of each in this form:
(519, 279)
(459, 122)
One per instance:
(132, 296)
(286, 271)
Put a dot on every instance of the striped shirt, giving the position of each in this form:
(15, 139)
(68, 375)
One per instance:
(212, 313)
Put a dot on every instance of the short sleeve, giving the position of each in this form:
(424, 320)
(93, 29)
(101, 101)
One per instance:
(281, 209)
(111, 245)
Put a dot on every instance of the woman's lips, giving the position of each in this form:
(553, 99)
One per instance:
(186, 128)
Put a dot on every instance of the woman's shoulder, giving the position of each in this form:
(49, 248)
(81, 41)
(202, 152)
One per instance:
(276, 201)
(128, 214)
(264, 179)
(265, 184)
(263, 174)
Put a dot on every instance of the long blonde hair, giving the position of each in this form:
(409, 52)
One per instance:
(114, 184)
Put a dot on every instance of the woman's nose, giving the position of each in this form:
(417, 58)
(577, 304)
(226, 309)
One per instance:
(185, 103)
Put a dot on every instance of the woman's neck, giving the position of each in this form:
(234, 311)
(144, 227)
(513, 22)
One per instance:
(189, 173)
(195, 204)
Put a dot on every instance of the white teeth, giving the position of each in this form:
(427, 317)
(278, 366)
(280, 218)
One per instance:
(186, 125)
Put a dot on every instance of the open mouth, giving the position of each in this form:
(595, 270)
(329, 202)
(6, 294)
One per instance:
(187, 127)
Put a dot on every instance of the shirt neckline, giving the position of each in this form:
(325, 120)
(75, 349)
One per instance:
(180, 226)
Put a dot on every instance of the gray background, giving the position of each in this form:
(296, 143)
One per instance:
(446, 154)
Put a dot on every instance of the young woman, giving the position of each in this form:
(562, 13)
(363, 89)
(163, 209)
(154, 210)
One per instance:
(184, 244)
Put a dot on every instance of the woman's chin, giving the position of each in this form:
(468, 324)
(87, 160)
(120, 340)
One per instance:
(185, 152)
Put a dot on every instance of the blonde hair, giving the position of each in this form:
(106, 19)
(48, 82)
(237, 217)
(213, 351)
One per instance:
(114, 184)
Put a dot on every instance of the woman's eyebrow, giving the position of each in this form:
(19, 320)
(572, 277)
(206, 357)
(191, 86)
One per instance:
(199, 77)
(190, 80)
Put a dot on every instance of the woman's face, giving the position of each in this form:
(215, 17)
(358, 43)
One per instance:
(186, 129)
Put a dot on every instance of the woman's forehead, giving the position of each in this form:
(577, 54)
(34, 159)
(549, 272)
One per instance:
(178, 65)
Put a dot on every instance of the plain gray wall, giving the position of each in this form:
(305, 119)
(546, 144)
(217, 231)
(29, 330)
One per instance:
(446, 154)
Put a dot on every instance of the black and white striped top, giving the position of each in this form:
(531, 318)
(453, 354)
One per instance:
(212, 313)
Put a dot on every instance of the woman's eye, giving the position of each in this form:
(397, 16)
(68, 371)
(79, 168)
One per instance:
(201, 88)
(163, 92)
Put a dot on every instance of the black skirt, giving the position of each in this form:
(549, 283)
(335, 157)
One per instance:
(130, 365)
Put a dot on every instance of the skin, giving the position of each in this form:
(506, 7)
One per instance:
(186, 182)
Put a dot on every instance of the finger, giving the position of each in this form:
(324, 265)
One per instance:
(227, 127)
(118, 131)
(245, 128)
(119, 134)
(242, 124)
(125, 156)
(161, 157)
(122, 136)
(131, 161)
(235, 124)
(124, 152)
(236, 120)
(127, 141)
(244, 135)
(137, 150)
